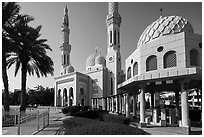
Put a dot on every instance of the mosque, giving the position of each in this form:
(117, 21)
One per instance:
(168, 57)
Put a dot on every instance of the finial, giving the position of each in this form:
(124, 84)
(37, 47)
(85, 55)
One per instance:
(161, 13)
(96, 49)
(66, 10)
(113, 7)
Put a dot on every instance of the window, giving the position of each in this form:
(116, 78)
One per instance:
(112, 86)
(67, 59)
(64, 59)
(110, 37)
(81, 91)
(151, 63)
(135, 69)
(114, 37)
(194, 57)
(170, 59)
(118, 37)
(129, 73)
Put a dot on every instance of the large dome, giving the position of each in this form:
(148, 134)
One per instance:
(165, 26)
(100, 60)
(94, 59)
(90, 61)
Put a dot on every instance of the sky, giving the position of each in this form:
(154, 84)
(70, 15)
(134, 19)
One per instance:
(88, 29)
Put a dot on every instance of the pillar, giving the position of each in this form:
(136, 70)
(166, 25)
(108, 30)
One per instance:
(127, 105)
(92, 102)
(112, 104)
(120, 104)
(142, 106)
(117, 104)
(102, 104)
(124, 102)
(134, 105)
(107, 104)
(184, 107)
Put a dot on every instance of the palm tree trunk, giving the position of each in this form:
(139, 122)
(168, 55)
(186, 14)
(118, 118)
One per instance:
(6, 85)
(23, 87)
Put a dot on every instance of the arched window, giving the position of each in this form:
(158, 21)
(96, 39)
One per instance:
(135, 69)
(194, 57)
(59, 92)
(151, 63)
(170, 59)
(129, 73)
(81, 91)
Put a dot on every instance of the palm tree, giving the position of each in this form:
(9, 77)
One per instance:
(9, 12)
(30, 55)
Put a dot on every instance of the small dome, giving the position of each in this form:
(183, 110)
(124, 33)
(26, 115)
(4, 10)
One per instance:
(100, 60)
(164, 26)
(90, 61)
(70, 69)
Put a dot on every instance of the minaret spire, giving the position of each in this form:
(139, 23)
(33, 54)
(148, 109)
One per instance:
(65, 47)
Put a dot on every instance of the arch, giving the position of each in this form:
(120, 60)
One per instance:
(151, 63)
(170, 59)
(135, 69)
(194, 57)
(129, 73)
(65, 97)
(81, 91)
(71, 96)
(82, 102)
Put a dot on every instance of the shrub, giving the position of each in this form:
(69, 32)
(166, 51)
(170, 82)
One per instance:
(71, 110)
(115, 119)
(92, 114)
(103, 128)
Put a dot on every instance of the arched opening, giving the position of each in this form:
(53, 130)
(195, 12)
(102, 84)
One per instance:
(81, 91)
(135, 69)
(151, 63)
(129, 73)
(59, 98)
(65, 97)
(194, 57)
(170, 59)
(82, 102)
(71, 96)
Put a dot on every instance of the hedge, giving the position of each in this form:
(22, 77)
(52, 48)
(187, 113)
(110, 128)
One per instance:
(71, 110)
(83, 126)
(110, 118)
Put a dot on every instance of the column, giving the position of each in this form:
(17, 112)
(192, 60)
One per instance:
(124, 102)
(117, 103)
(92, 102)
(102, 104)
(134, 105)
(142, 106)
(184, 107)
(120, 104)
(127, 105)
(112, 104)
(107, 104)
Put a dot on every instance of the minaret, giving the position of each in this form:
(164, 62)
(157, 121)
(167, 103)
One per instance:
(65, 47)
(113, 57)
